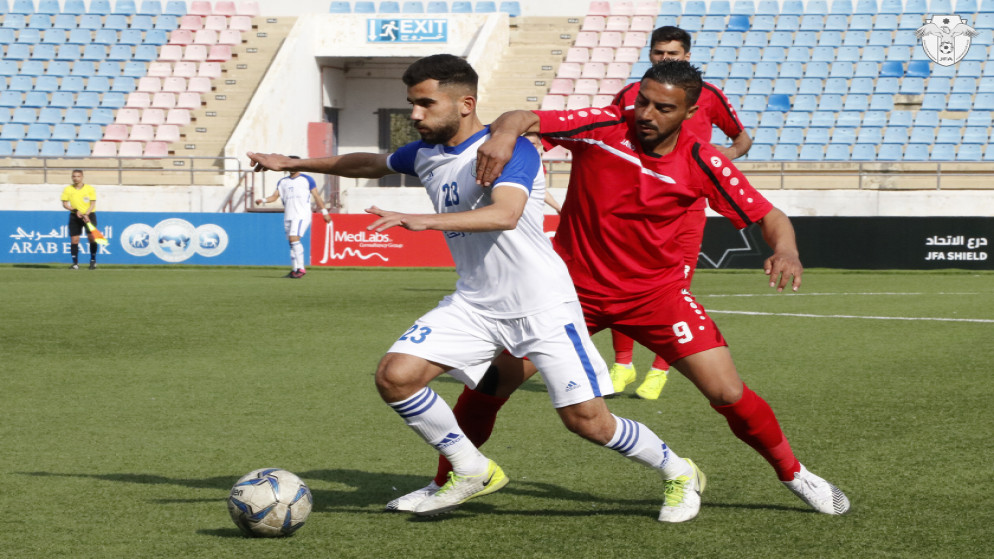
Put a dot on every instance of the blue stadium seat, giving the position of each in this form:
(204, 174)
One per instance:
(175, 8)
(38, 132)
(731, 39)
(969, 68)
(125, 7)
(761, 86)
(153, 38)
(112, 100)
(811, 152)
(785, 86)
(949, 135)
(791, 135)
(856, 102)
(785, 152)
(12, 132)
(766, 70)
(811, 22)
(819, 7)
(918, 69)
(719, 7)
(788, 23)
(792, 7)
(760, 152)
(738, 23)
(965, 84)
(768, 8)
(26, 148)
(83, 68)
(78, 149)
(735, 86)
(96, 83)
(891, 7)
(24, 115)
(966, 7)
(822, 119)
(915, 6)
(781, 39)
(94, 52)
(79, 37)
(145, 53)
(60, 99)
(438, 7)
(984, 102)
(934, 102)
(716, 70)
(896, 135)
(99, 7)
(740, 70)
(837, 23)
(105, 37)
(21, 7)
(869, 135)
(674, 7)
(166, 22)
(20, 83)
(15, 21)
(50, 7)
(866, 7)
(763, 23)
(836, 85)
(123, 84)
(927, 118)
(943, 152)
(481, 7)
(854, 39)
(119, 53)
(340, 7)
(860, 24)
(412, 7)
(63, 132)
(922, 135)
(116, 22)
(86, 99)
(864, 152)
(90, 132)
(843, 7)
(695, 7)
(777, 103)
(47, 84)
(806, 39)
(29, 36)
(713, 23)
(40, 21)
(823, 54)
(141, 23)
(130, 37)
(817, 135)
(969, 152)
(840, 70)
(150, 8)
(18, 51)
(109, 69)
(52, 148)
(837, 152)
(830, 102)
(74, 116)
(771, 120)
(49, 115)
(811, 86)
(510, 7)
(101, 116)
(90, 21)
(691, 24)
(979, 118)
(799, 54)
(882, 103)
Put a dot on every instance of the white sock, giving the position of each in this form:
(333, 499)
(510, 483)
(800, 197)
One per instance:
(433, 420)
(639, 443)
(297, 255)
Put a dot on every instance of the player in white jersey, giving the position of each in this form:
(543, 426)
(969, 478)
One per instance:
(296, 191)
(513, 292)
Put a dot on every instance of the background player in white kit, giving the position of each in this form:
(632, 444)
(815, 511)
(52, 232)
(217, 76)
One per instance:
(513, 292)
(296, 191)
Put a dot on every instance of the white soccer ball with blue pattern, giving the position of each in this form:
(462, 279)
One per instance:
(269, 503)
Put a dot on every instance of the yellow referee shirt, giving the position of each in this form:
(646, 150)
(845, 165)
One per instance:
(80, 198)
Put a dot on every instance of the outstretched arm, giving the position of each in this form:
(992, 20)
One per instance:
(496, 152)
(502, 215)
(354, 165)
(320, 204)
(785, 264)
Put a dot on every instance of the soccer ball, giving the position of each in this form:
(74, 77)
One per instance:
(269, 503)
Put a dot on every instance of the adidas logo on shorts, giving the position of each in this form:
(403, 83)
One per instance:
(571, 386)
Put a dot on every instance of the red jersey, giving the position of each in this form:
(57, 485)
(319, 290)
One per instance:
(713, 108)
(617, 231)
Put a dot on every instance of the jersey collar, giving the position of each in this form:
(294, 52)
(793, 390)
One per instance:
(457, 149)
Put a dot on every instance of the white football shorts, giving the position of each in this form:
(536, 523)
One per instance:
(453, 334)
(296, 227)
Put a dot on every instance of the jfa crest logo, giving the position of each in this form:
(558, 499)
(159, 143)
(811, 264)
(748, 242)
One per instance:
(946, 39)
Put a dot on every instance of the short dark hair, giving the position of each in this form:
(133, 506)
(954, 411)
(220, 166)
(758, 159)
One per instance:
(80, 171)
(669, 33)
(679, 73)
(448, 69)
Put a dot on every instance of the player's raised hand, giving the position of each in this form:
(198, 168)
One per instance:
(269, 161)
(389, 219)
(783, 268)
(492, 156)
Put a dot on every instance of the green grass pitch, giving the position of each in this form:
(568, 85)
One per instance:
(132, 399)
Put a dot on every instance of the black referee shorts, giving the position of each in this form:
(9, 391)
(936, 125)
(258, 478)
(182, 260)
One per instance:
(77, 225)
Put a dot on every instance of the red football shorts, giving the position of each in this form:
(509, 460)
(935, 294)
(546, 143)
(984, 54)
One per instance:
(671, 324)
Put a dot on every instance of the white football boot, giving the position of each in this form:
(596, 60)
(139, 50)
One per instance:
(818, 493)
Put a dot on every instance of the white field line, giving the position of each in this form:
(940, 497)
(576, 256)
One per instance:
(807, 315)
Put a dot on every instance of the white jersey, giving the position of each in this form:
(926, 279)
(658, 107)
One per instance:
(502, 274)
(296, 196)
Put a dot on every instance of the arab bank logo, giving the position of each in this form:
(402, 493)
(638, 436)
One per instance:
(946, 39)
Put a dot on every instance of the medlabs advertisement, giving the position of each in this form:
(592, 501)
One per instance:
(149, 238)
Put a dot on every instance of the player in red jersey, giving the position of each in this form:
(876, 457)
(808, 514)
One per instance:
(713, 108)
(631, 183)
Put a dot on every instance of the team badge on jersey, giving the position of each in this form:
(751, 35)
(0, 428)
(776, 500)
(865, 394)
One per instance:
(946, 39)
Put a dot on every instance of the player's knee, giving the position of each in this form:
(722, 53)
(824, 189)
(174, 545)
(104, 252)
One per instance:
(395, 380)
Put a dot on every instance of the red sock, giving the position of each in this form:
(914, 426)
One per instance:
(623, 347)
(752, 420)
(660, 363)
(476, 413)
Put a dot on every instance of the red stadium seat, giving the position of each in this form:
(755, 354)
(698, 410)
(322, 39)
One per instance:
(195, 53)
(240, 23)
(209, 70)
(170, 53)
(138, 100)
(569, 70)
(168, 133)
(153, 117)
(611, 86)
(200, 8)
(229, 37)
(163, 100)
(577, 102)
(561, 86)
(578, 54)
(188, 100)
(627, 54)
(617, 23)
(141, 133)
(191, 22)
(601, 100)
(599, 8)
(115, 133)
(174, 85)
(635, 39)
(225, 8)
(586, 86)
(205, 37)
(594, 70)
(149, 84)
(623, 8)
(178, 117)
(610, 39)
(156, 149)
(619, 70)
(180, 37)
(199, 84)
(160, 69)
(130, 149)
(553, 103)
(249, 9)
(602, 54)
(104, 149)
(587, 39)
(127, 115)
(642, 23)
(593, 23)
(219, 53)
(215, 23)
(185, 69)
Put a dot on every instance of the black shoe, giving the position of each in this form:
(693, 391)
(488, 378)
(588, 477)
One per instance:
(93, 265)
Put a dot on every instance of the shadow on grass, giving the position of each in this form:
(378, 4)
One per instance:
(368, 492)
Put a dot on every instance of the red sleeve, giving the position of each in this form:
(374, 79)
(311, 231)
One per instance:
(721, 112)
(564, 127)
(626, 97)
(726, 188)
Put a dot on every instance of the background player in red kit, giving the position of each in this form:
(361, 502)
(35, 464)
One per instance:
(713, 108)
(631, 182)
